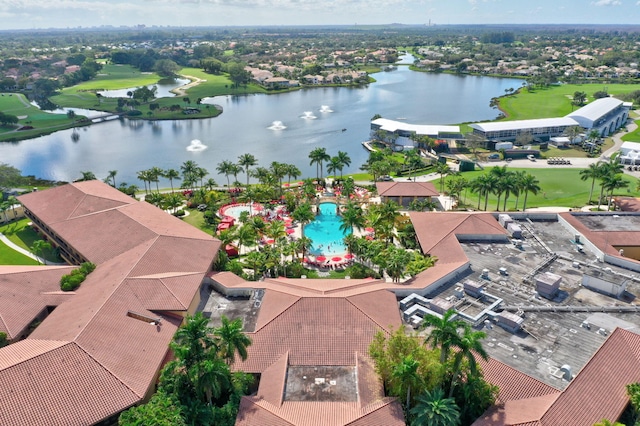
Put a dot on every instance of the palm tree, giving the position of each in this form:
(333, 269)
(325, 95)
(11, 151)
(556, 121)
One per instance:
(593, 172)
(529, 184)
(246, 236)
(225, 168)
(293, 172)
(500, 174)
(188, 169)
(171, 174)
(433, 409)
(38, 247)
(611, 183)
(144, 176)
(482, 185)
(442, 169)
(345, 161)
(406, 372)
(279, 171)
(193, 341)
(112, 177)
(444, 333)
(303, 214)
(334, 166)
(231, 339)
(509, 186)
(319, 156)
(246, 161)
(155, 173)
(87, 176)
(352, 217)
(468, 344)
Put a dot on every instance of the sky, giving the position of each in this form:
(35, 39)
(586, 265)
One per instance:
(31, 14)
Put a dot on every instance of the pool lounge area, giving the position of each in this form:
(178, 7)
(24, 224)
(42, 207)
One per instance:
(327, 247)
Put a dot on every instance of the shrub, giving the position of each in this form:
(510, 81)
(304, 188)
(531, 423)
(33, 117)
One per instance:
(134, 113)
(87, 268)
(179, 213)
(359, 271)
(72, 281)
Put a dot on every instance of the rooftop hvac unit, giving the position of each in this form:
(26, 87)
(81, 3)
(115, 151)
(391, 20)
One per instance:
(566, 370)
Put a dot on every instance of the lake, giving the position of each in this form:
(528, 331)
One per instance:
(280, 127)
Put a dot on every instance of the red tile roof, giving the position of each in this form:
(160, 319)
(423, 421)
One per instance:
(318, 331)
(25, 292)
(406, 189)
(90, 359)
(597, 392)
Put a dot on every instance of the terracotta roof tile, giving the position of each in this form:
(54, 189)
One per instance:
(406, 189)
(60, 397)
(272, 381)
(251, 414)
(601, 383)
(513, 384)
(25, 293)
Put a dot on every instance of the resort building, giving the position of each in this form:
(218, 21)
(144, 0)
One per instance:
(402, 129)
(630, 153)
(605, 115)
(541, 128)
(404, 193)
(99, 349)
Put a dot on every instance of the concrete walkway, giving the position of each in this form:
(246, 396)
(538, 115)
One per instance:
(27, 253)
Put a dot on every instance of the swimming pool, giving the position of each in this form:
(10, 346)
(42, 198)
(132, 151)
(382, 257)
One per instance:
(234, 210)
(324, 232)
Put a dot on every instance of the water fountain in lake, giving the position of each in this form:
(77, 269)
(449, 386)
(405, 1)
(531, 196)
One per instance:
(277, 125)
(309, 115)
(325, 108)
(196, 146)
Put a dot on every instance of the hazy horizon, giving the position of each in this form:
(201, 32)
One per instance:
(44, 14)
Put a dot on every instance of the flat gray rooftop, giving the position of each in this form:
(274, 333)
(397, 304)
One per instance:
(550, 339)
(321, 383)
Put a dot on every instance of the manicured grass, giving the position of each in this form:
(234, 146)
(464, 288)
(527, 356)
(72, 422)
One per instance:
(553, 101)
(29, 115)
(633, 136)
(9, 256)
(20, 233)
(196, 219)
(559, 187)
(216, 85)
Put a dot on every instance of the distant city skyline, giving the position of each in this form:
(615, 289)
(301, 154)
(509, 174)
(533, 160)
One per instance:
(32, 14)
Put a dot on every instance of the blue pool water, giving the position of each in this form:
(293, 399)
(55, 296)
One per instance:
(324, 232)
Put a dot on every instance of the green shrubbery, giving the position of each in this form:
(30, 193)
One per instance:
(72, 281)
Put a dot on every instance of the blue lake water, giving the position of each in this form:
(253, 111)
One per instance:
(281, 127)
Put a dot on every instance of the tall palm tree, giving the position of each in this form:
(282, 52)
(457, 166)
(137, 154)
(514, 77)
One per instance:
(467, 345)
(188, 169)
(510, 186)
(225, 167)
(246, 161)
(193, 342)
(442, 169)
(231, 339)
(444, 333)
(345, 161)
(529, 184)
(144, 176)
(334, 166)
(611, 183)
(593, 172)
(303, 214)
(433, 409)
(352, 217)
(155, 173)
(293, 172)
(112, 177)
(279, 171)
(318, 157)
(171, 174)
(38, 247)
(482, 185)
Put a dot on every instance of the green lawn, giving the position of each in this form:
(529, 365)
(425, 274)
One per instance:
(21, 234)
(196, 218)
(9, 256)
(559, 187)
(29, 115)
(553, 101)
